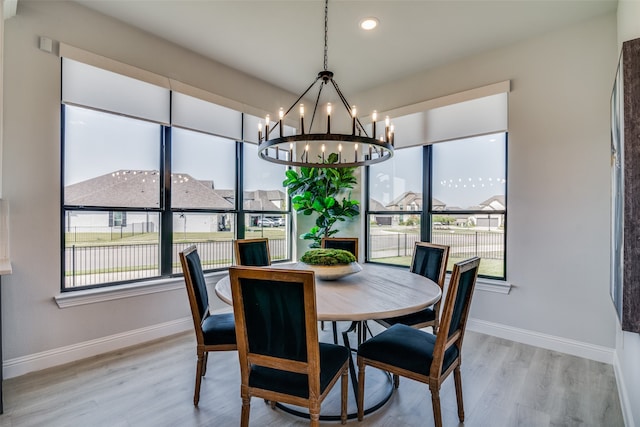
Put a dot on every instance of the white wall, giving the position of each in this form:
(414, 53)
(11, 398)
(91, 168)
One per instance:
(628, 344)
(558, 172)
(558, 175)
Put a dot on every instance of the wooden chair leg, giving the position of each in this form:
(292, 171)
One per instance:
(344, 382)
(458, 382)
(435, 401)
(396, 381)
(246, 409)
(199, 368)
(206, 362)
(360, 397)
(314, 414)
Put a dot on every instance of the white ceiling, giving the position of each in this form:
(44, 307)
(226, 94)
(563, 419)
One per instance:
(282, 42)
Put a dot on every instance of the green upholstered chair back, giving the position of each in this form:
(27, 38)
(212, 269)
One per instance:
(430, 260)
(463, 298)
(275, 318)
(252, 252)
(458, 300)
(349, 244)
(194, 278)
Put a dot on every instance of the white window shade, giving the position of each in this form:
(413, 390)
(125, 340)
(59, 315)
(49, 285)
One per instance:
(476, 117)
(196, 114)
(96, 88)
(461, 120)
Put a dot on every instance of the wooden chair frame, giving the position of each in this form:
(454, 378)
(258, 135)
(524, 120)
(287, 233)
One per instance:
(202, 349)
(239, 242)
(443, 342)
(311, 367)
(441, 279)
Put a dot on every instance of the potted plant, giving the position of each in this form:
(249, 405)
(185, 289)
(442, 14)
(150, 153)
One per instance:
(330, 264)
(323, 191)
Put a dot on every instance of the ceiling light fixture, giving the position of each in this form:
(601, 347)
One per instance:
(369, 24)
(313, 148)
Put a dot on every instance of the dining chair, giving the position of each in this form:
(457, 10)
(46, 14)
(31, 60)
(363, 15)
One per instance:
(252, 252)
(281, 359)
(420, 355)
(429, 260)
(345, 243)
(214, 332)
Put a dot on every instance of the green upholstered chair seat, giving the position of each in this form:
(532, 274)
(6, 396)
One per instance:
(219, 329)
(332, 358)
(425, 315)
(406, 348)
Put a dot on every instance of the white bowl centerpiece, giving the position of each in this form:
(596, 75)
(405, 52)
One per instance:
(330, 264)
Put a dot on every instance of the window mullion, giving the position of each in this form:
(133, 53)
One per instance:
(166, 221)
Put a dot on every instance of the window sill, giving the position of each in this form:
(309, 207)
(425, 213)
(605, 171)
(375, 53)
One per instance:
(91, 296)
(489, 285)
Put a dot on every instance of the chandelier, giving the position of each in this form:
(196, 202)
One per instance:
(319, 146)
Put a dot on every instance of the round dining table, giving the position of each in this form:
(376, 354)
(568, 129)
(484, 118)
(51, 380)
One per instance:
(376, 292)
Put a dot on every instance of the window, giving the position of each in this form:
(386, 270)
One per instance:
(265, 202)
(139, 187)
(446, 182)
(467, 210)
(203, 197)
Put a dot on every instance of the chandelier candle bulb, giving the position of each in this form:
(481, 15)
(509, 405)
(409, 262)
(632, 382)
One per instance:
(391, 133)
(266, 127)
(339, 153)
(302, 119)
(355, 153)
(374, 119)
(281, 115)
(260, 132)
(386, 127)
(329, 117)
(353, 119)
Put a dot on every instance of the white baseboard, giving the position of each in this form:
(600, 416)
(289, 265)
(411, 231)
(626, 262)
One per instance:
(550, 342)
(50, 358)
(625, 403)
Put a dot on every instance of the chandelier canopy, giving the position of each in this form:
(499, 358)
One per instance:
(313, 147)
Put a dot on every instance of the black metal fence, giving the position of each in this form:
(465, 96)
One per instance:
(92, 265)
(485, 244)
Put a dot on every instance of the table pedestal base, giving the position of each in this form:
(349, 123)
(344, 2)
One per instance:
(379, 386)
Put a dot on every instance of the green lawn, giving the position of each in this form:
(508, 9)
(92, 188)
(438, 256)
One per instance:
(488, 267)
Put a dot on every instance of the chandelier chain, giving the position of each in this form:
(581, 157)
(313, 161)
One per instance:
(326, 31)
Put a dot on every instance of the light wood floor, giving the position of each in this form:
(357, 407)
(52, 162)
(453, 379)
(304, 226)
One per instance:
(504, 384)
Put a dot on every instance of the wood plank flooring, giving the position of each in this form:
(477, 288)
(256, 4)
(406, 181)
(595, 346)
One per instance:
(504, 384)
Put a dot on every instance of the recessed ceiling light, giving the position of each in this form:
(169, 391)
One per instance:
(369, 23)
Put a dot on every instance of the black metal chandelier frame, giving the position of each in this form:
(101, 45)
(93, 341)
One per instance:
(361, 149)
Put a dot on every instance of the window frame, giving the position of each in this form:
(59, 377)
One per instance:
(427, 214)
(165, 210)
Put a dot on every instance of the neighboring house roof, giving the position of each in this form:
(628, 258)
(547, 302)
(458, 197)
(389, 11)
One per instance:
(496, 203)
(264, 200)
(375, 205)
(409, 197)
(140, 189)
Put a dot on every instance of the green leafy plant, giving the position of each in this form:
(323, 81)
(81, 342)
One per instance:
(327, 257)
(318, 191)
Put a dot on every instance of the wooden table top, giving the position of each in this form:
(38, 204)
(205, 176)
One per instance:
(377, 292)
